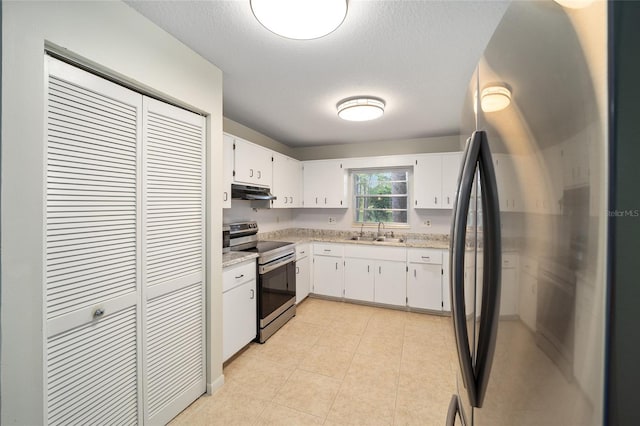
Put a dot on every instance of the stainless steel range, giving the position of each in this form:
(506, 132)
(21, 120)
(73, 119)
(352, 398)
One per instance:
(276, 276)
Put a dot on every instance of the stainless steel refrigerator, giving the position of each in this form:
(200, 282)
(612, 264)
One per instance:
(528, 236)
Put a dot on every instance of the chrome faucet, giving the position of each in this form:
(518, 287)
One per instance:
(380, 223)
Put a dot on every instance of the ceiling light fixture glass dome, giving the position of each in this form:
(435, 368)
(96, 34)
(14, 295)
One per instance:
(300, 19)
(360, 109)
(495, 98)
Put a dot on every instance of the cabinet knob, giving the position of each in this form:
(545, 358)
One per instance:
(252, 293)
(286, 201)
(226, 196)
(297, 269)
(239, 276)
(379, 269)
(336, 266)
(259, 174)
(436, 200)
(291, 200)
(250, 172)
(98, 313)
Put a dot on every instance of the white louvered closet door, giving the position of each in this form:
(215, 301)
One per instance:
(92, 282)
(173, 260)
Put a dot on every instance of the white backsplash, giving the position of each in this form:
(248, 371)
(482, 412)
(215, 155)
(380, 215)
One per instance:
(276, 219)
(268, 219)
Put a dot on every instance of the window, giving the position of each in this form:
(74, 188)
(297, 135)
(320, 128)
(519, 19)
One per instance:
(381, 196)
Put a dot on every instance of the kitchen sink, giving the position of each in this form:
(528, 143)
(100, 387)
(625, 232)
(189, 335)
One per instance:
(389, 240)
(377, 239)
(359, 238)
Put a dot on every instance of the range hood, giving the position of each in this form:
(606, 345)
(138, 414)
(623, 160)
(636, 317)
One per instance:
(245, 192)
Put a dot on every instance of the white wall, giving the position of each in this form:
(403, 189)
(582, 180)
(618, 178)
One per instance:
(115, 38)
(268, 219)
(394, 147)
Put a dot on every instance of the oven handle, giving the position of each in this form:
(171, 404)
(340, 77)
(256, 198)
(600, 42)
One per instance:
(275, 265)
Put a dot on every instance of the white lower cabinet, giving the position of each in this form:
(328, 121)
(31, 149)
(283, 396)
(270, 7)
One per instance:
(528, 292)
(446, 285)
(239, 309)
(390, 282)
(328, 269)
(303, 272)
(358, 279)
(509, 290)
(376, 274)
(424, 282)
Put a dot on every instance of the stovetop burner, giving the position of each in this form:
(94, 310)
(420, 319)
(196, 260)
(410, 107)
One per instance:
(266, 246)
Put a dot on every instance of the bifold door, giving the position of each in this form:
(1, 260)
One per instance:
(124, 253)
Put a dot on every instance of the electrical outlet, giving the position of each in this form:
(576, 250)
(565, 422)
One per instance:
(332, 220)
(427, 223)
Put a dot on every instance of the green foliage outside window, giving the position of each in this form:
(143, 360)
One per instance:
(381, 196)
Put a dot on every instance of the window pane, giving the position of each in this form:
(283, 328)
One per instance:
(381, 196)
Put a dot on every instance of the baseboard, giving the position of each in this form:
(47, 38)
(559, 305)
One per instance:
(215, 385)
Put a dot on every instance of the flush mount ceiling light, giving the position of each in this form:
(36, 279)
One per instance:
(495, 98)
(360, 109)
(300, 19)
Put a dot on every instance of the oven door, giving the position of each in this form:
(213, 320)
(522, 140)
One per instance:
(276, 290)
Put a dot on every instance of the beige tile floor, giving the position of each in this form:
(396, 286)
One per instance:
(338, 363)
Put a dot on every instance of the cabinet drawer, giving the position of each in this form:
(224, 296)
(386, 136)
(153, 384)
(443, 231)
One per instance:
(328, 249)
(235, 275)
(432, 256)
(375, 253)
(302, 251)
(509, 260)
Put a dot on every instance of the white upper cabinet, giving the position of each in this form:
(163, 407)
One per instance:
(450, 172)
(287, 182)
(325, 184)
(252, 164)
(427, 181)
(435, 180)
(227, 170)
(510, 198)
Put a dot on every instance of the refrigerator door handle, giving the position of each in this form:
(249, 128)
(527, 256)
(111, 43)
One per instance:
(454, 411)
(492, 269)
(456, 252)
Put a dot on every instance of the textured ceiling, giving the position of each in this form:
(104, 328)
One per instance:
(416, 55)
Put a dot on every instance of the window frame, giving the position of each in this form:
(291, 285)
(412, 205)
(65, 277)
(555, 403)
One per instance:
(406, 195)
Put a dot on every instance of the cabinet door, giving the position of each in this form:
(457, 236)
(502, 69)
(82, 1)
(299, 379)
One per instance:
(239, 323)
(335, 190)
(303, 279)
(390, 282)
(286, 181)
(427, 182)
(92, 261)
(252, 164)
(446, 293)
(227, 170)
(324, 184)
(173, 244)
(450, 171)
(509, 293)
(424, 286)
(528, 300)
(358, 279)
(327, 276)
(297, 185)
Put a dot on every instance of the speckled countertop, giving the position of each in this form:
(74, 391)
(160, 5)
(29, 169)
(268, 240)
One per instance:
(303, 235)
(235, 257)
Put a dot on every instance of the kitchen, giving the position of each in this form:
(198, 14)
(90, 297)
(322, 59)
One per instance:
(127, 43)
